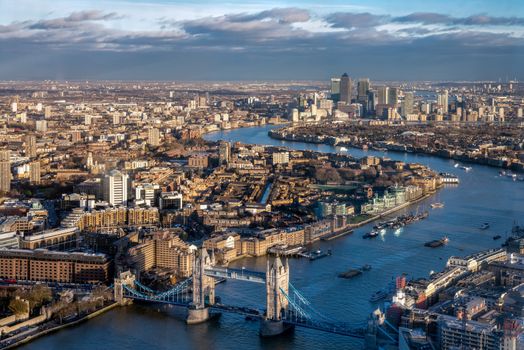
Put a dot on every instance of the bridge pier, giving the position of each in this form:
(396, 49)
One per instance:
(271, 328)
(197, 315)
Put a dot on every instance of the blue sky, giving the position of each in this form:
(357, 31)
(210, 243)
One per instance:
(261, 40)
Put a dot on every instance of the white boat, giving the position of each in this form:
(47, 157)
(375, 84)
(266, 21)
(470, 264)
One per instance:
(343, 149)
(484, 226)
(437, 205)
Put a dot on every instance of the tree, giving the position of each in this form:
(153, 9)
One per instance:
(39, 295)
(18, 306)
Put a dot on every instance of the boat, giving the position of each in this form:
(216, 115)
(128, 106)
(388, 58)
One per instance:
(343, 149)
(437, 205)
(437, 242)
(372, 234)
(378, 295)
(497, 237)
(502, 173)
(484, 226)
(366, 267)
(350, 273)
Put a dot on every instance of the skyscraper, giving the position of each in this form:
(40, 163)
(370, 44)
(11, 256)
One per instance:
(362, 90)
(5, 170)
(30, 146)
(335, 89)
(345, 88)
(393, 96)
(443, 101)
(407, 104)
(224, 152)
(153, 137)
(383, 95)
(115, 188)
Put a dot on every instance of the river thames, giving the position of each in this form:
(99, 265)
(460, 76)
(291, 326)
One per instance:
(482, 196)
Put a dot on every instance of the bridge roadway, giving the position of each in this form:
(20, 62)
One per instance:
(236, 274)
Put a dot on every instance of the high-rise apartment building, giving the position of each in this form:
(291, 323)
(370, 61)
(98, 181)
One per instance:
(34, 173)
(346, 88)
(407, 105)
(224, 152)
(30, 146)
(5, 170)
(47, 112)
(41, 125)
(115, 188)
(443, 101)
(153, 137)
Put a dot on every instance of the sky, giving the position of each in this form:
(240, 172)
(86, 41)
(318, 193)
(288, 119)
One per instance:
(261, 40)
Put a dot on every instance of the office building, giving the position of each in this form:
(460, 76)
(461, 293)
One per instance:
(5, 170)
(346, 88)
(115, 188)
(147, 193)
(30, 146)
(170, 200)
(362, 91)
(335, 89)
(153, 138)
(393, 96)
(383, 95)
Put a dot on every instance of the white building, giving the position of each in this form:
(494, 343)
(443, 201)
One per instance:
(115, 188)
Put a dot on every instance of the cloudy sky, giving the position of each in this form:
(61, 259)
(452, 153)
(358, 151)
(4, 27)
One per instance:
(261, 40)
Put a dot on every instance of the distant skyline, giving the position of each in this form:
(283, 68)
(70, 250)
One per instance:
(261, 40)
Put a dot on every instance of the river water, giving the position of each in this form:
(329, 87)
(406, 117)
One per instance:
(482, 196)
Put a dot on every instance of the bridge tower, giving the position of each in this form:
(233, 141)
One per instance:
(277, 283)
(125, 278)
(203, 287)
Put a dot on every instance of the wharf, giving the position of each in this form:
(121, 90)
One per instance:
(336, 234)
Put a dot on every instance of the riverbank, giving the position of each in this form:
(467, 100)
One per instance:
(496, 163)
(390, 211)
(42, 333)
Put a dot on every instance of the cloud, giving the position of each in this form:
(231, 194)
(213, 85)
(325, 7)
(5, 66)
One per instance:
(282, 15)
(74, 19)
(474, 20)
(284, 37)
(355, 20)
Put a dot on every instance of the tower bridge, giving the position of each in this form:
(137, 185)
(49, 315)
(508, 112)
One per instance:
(285, 307)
